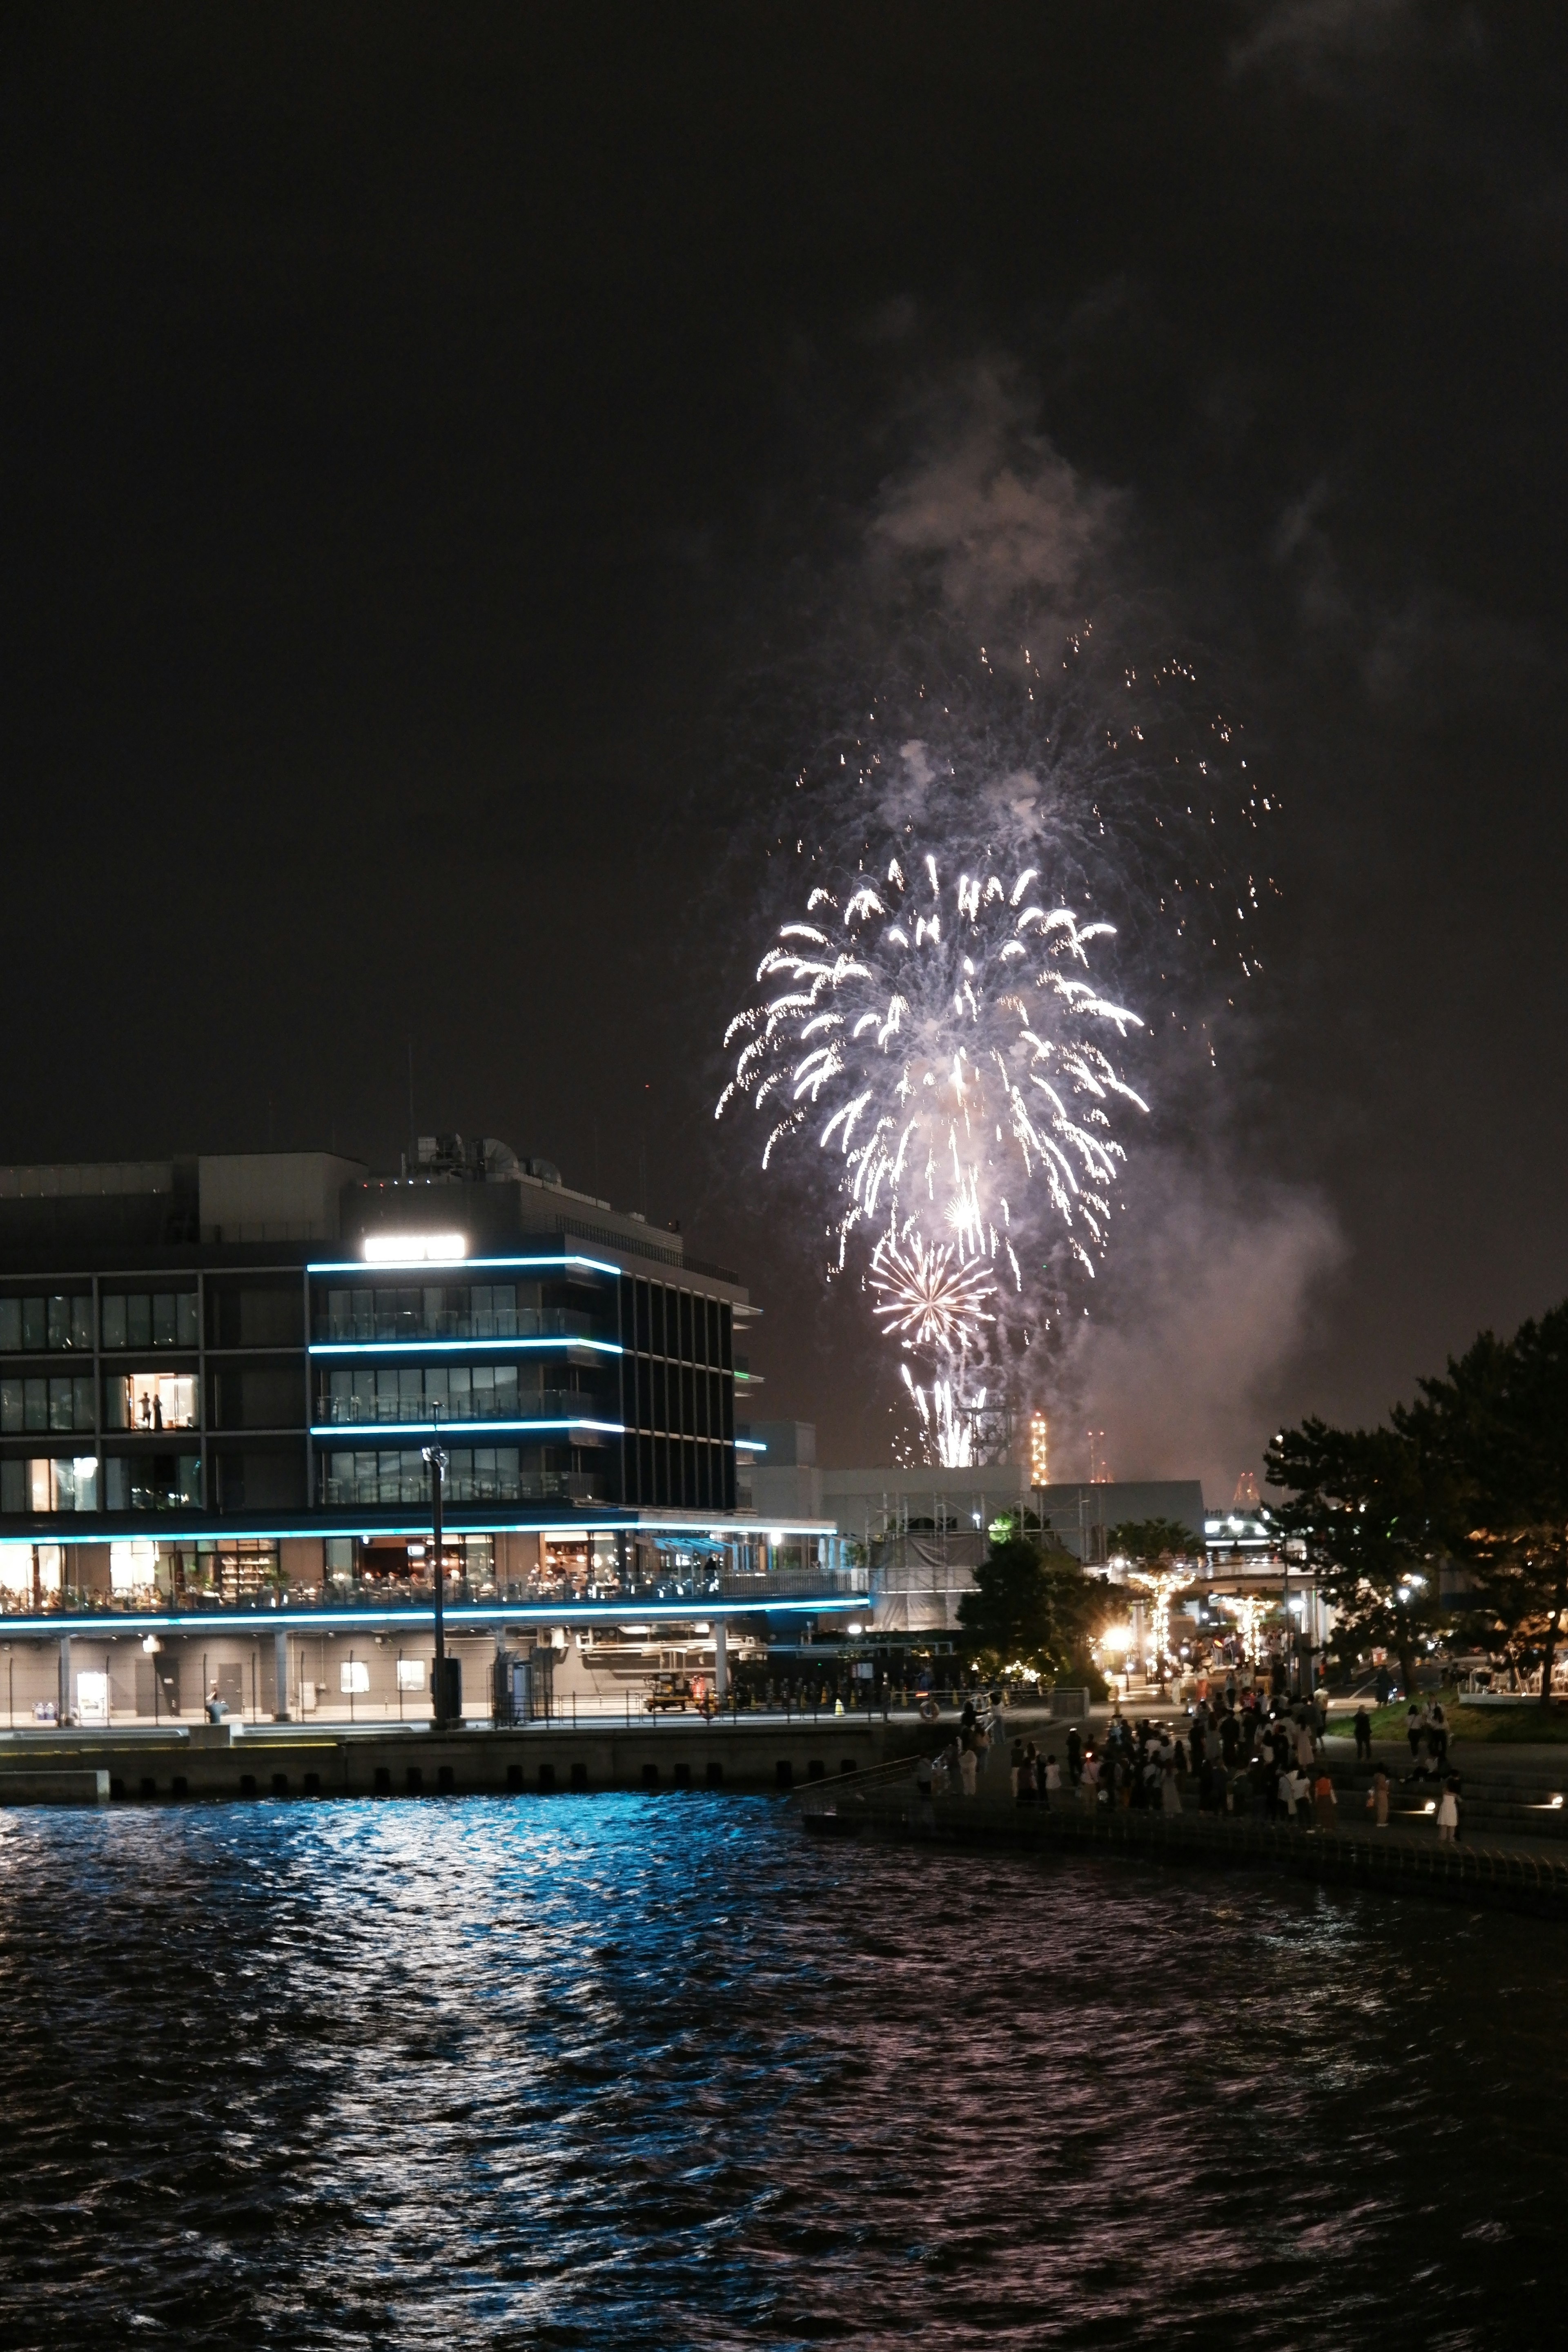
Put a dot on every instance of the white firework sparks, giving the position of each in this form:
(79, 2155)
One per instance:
(929, 1298)
(949, 1422)
(945, 1046)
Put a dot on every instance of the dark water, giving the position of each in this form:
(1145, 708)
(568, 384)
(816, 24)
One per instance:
(654, 2071)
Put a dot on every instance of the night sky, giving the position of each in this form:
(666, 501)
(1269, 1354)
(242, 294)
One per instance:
(431, 439)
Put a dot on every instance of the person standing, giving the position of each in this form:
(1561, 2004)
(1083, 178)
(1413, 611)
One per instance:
(968, 1766)
(1447, 1815)
(1378, 1799)
(1074, 1755)
(1051, 1786)
(1325, 1805)
(1362, 1735)
(1016, 1767)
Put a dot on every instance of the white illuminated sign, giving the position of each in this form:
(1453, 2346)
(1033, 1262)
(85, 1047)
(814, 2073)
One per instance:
(409, 1249)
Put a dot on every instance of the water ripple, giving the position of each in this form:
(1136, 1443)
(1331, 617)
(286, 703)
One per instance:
(653, 2071)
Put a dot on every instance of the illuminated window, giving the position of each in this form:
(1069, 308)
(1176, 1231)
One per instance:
(151, 1401)
(132, 1567)
(353, 1675)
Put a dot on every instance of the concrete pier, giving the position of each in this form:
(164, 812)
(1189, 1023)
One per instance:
(228, 1760)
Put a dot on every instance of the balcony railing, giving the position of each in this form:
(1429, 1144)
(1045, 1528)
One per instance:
(530, 1405)
(382, 1493)
(366, 1325)
(701, 1584)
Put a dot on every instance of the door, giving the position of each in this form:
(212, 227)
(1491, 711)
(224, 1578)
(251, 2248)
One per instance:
(167, 1669)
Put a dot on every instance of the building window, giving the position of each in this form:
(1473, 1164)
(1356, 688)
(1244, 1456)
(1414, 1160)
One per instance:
(406, 1392)
(150, 1401)
(152, 1481)
(30, 1326)
(160, 1318)
(480, 1474)
(50, 1482)
(371, 1312)
(132, 1567)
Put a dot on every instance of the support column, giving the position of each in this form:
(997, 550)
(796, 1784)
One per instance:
(279, 1677)
(65, 1698)
(720, 1662)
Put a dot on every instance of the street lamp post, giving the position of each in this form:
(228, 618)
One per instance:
(435, 1455)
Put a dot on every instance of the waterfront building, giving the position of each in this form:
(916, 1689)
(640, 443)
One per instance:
(219, 1374)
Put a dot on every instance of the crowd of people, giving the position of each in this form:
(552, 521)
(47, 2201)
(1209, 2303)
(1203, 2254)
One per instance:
(1246, 1753)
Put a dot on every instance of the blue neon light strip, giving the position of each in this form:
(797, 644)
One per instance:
(408, 1264)
(446, 1346)
(351, 1433)
(749, 1445)
(468, 1613)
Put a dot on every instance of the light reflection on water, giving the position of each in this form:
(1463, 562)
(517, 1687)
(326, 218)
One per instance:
(645, 2071)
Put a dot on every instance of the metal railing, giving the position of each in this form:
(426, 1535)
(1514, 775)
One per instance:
(366, 1327)
(527, 1404)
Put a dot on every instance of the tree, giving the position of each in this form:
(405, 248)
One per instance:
(1030, 1606)
(1154, 1543)
(1498, 1424)
(1366, 1504)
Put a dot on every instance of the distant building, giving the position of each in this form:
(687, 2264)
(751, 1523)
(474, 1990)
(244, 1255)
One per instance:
(925, 1531)
(782, 1480)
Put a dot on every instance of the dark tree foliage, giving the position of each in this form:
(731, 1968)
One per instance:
(1497, 1424)
(1153, 1543)
(1367, 1504)
(1032, 1607)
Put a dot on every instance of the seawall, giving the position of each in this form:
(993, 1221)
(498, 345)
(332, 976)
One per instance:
(225, 1761)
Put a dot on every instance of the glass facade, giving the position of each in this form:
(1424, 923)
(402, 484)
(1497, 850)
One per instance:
(499, 1310)
(678, 1388)
(254, 1387)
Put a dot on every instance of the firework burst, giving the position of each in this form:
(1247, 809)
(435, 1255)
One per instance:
(929, 1298)
(943, 1046)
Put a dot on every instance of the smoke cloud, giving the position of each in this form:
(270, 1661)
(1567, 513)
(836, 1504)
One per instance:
(1214, 1289)
(990, 516)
